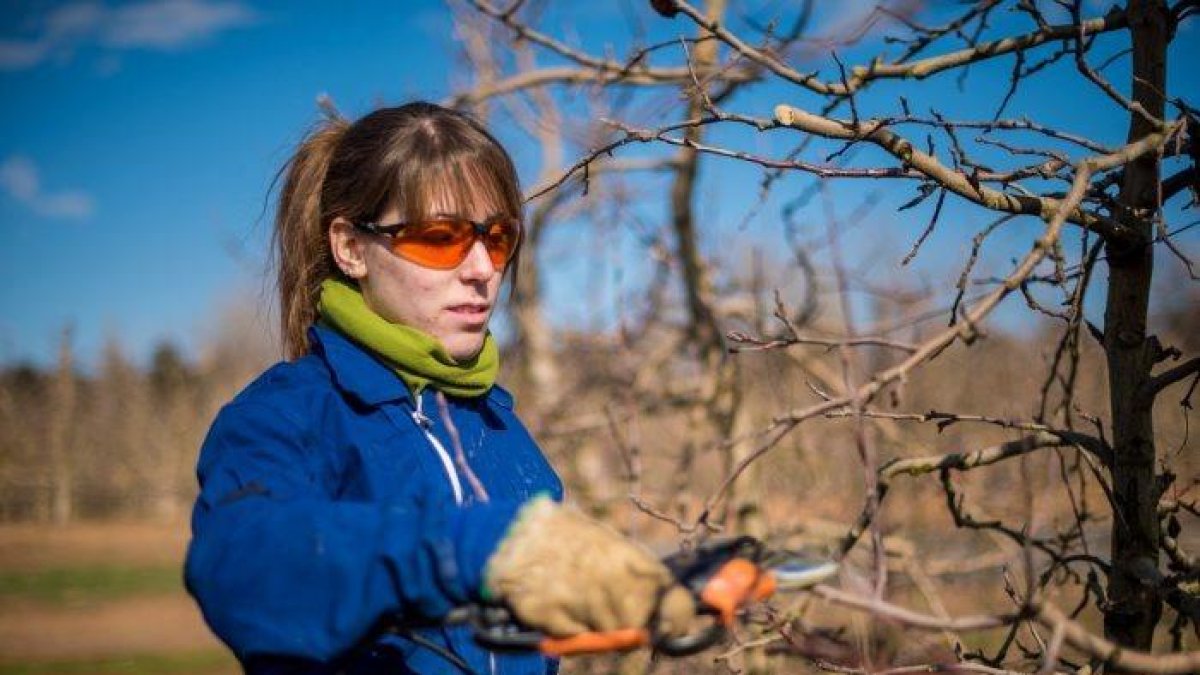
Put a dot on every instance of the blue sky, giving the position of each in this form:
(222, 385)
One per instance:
(138, 141)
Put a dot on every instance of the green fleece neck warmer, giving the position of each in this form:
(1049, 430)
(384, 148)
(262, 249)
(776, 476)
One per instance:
(419, 359)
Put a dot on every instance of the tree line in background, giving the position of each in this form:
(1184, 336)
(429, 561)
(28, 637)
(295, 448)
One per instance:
(1002, 500)
(118, 440)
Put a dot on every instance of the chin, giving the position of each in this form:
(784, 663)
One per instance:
(464, 348)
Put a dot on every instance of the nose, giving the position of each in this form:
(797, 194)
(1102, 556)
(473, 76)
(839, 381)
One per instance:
(477, 266)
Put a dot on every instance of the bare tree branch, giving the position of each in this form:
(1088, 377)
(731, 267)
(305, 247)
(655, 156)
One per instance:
(861, 75)
(876, 131)
(1166, 379)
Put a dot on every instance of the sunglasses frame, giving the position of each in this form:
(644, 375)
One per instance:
(479, 232)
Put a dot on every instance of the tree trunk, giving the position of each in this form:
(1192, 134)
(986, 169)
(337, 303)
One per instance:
(536, 359)
(1134, 607)
(722, 393)
(61, 417)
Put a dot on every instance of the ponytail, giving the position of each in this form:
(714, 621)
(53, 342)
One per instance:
(301, 248)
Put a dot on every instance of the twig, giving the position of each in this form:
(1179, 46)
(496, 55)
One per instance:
(1120, 657)
(908, 617)
(861, 75)
(876, 131)
(754, 344)
(937, 211)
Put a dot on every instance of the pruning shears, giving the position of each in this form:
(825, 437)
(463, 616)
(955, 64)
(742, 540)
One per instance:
(723, 577)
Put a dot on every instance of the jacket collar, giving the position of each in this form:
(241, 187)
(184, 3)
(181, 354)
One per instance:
(366, 378)
(355, 370)
(500, 396)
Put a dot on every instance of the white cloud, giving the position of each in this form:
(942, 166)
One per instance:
(168, 24)
(18, 177)
(16, 55)
(74, 20)
(20, 180)
(161, 25)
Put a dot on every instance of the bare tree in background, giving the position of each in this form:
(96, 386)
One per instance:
(734, 80)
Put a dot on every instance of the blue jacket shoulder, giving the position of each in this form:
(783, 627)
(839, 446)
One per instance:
(287, 382)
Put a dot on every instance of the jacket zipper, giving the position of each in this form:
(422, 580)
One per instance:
(426, 425)
(424, 422)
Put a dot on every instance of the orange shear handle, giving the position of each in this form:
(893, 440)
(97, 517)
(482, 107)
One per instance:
(735, 583)
(623, 639)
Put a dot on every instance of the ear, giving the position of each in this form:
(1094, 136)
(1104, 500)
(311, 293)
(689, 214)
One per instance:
(347, 245)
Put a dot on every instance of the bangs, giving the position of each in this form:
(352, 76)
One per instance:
(463, 185)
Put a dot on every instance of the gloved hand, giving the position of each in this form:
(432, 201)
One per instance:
(564, 573)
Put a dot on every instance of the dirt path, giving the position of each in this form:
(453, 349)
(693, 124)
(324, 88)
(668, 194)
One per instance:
(29, 547)
(133, 622)
(140, 625)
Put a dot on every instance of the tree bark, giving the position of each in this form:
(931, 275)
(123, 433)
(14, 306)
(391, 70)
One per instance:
(1134, 607)
(536, 358)
(703, 327)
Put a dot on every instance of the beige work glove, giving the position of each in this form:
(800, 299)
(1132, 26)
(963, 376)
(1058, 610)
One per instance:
(564, 573)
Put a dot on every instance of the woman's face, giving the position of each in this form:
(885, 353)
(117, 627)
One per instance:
(452, 305)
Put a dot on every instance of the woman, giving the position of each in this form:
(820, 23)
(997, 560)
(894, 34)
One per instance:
(355, 494)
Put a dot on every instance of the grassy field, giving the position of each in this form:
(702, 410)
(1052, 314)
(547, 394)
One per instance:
(108, 598)
(101, 598)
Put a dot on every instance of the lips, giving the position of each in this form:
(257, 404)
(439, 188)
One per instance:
(474, 312)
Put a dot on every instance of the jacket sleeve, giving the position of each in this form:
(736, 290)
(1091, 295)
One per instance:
(281, 568)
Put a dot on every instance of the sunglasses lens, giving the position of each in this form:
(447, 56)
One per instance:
(441, 244)
(444, 244)
(501, 240)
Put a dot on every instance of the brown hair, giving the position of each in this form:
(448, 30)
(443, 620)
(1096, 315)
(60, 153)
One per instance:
(405, 157)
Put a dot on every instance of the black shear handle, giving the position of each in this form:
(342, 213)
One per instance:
(693, 643)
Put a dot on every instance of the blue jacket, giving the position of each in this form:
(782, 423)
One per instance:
(330, 505)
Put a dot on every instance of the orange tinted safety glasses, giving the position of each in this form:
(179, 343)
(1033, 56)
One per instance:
(443, 243)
